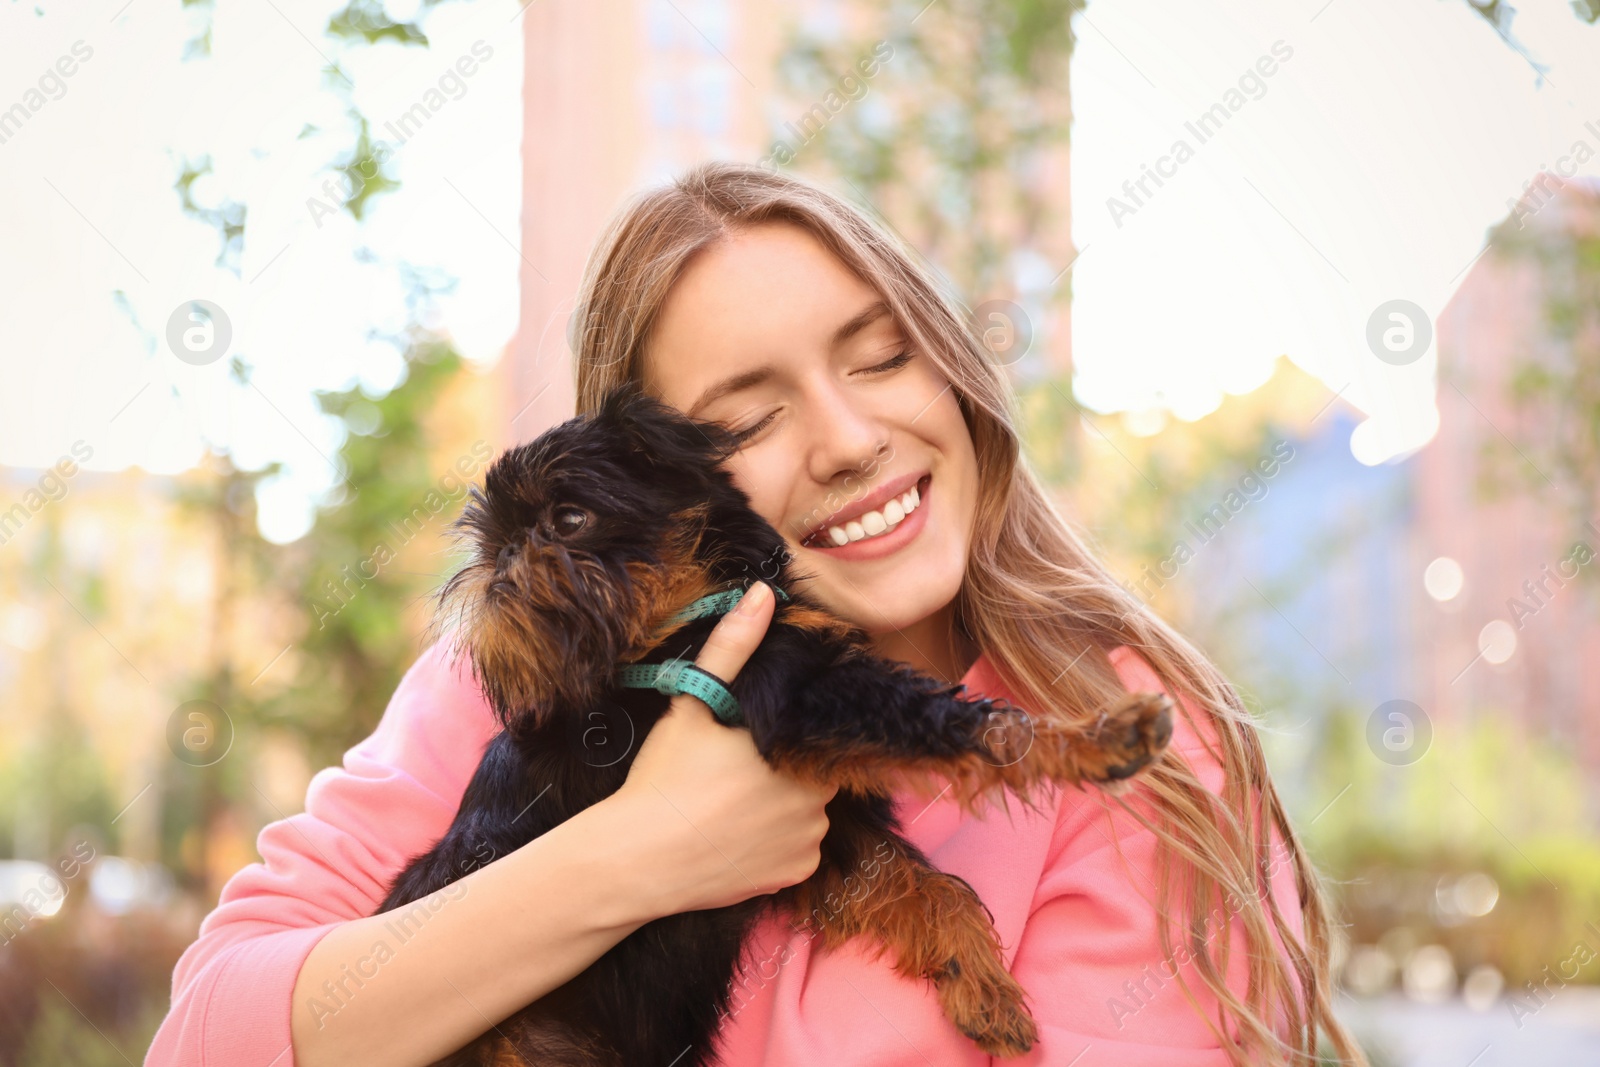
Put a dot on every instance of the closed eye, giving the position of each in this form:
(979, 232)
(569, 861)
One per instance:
(741, 436)
(900, 359)
(895, 362)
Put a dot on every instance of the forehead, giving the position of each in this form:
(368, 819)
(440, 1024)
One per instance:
(768, 294)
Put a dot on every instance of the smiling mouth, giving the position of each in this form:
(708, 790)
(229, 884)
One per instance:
(872, 524)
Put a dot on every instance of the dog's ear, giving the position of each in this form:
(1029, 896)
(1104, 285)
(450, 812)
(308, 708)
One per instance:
(661, 433)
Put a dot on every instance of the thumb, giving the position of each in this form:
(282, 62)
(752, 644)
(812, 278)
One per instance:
(738, 634)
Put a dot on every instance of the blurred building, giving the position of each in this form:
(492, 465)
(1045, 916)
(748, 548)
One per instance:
(618, 94)
(1479, 649)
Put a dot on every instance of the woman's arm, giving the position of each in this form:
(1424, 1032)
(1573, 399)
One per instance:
(702, 821)
(444, 969)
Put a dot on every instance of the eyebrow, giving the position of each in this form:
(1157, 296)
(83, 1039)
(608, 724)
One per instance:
(731, 385)
(866, 317)
(870, 314)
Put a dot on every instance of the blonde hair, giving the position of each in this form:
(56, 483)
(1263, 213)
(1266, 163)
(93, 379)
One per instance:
(1033, 597)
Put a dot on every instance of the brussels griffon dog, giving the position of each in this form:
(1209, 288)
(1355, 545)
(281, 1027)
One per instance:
(587, 545)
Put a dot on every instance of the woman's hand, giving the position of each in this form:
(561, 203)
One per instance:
(716, 824)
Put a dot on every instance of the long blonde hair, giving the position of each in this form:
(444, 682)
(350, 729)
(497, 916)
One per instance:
(1033, 597)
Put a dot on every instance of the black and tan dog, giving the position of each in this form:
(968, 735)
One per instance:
(587, 544)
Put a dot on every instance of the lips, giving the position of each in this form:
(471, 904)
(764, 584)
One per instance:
(878, 516)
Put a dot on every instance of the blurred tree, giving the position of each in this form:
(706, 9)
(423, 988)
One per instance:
(1555, 380)
(359, 24)
(56, 779)
(1487, 798)
(353, 639)
(352, 649)
(970, 97)
(1500, 15)
(359, 603)
(58, 1038)
(194, 795)
(353, 633)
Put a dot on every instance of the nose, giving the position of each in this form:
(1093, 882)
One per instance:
(507, 554)
(847, 436)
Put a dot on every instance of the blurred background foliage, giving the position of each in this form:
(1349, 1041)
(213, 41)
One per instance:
(1501, 880)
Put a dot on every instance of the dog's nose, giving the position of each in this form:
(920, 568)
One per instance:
(507, 554)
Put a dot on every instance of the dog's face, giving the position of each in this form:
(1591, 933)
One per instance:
(581, 542)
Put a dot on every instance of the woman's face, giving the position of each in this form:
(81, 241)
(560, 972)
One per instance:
(769, 335)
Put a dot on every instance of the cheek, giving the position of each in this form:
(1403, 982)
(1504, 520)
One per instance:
(767, 482)
(954, 441)
(942, 424)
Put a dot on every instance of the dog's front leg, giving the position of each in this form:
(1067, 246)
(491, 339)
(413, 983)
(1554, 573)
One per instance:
(865, 717)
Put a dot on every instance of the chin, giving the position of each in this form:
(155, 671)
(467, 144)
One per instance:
(891, 599)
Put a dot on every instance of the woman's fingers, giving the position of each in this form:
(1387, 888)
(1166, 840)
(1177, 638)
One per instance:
(728, 824)
(738, 634)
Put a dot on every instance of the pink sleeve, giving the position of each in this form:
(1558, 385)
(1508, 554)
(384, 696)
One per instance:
(1090, 957)
(394, 796)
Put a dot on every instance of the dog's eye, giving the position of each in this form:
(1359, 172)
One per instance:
(569, 520)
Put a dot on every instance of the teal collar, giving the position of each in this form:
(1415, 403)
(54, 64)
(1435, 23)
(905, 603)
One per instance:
(715, 604)
(679, 675)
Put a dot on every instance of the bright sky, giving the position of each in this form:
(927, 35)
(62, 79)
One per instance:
(87, 208)
(1365, 168)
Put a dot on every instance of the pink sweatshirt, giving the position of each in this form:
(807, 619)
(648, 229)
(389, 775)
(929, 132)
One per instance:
(1072, 891)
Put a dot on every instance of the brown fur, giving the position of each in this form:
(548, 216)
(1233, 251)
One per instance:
(935, 927)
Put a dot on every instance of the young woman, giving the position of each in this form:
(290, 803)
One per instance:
(1177, 924)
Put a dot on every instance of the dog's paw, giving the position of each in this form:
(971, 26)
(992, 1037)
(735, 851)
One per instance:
(1128, 738)
(986, 1004)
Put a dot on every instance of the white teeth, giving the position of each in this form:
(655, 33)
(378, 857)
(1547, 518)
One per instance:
(874, 523)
